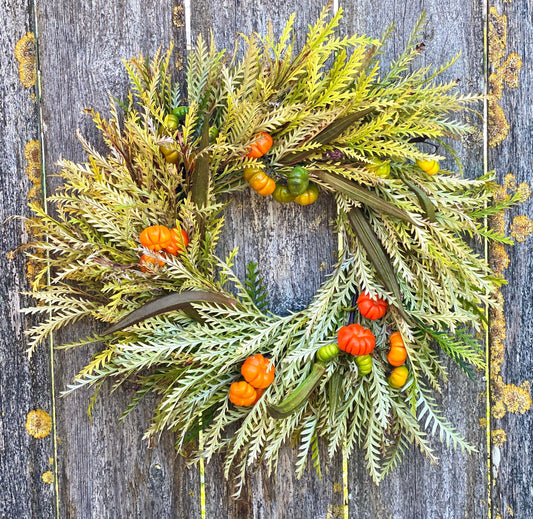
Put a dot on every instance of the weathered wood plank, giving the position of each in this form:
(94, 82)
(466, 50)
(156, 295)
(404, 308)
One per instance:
(510, 136)
(24, 385)
(105, 469)
(457, 487)
(294, 247)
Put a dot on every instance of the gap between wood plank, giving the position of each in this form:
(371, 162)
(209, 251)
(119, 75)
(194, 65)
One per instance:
(201, 467)
(345, 490)
(486, 251)
(188, 31)
(45, 207)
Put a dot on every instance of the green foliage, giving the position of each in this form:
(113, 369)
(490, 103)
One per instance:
(340, 120)
(255, 287)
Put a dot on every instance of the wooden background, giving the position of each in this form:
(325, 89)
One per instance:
(104, 469)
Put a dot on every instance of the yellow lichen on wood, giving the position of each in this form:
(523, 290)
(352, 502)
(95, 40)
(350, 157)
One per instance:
(509, 183)
(509, 186)
(524, 190)
(337, 487)
(497, 35)
(180, 62)
(499, 259)
(38, 423)
(505, 73)
(521, 228)
(498, 125)
(497, 222)
(510, 68)
(26, 54)
(48, 477)
(499, 437)
(497, 338)
(498, 410)
(335, 512)
(32, 153)
(26, 49)
(505, 397)
(510, 398)
(517, 399)
(178, 16)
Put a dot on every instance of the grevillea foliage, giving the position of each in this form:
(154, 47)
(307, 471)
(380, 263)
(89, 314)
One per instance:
(358, 130)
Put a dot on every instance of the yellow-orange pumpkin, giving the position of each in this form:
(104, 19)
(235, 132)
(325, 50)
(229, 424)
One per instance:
(258, 371)
(156, 237)
(397, 354)
(243, 394)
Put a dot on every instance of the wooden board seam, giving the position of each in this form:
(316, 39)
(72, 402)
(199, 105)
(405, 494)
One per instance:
(45, 207)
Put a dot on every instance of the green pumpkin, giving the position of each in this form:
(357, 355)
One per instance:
(298, 180)
(282, 194)
(327, 353)
(172, 156)
(382, 170)
(364, 363)
(180, 111)
(171, 122)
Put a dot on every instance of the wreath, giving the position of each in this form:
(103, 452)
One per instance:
(133, 242)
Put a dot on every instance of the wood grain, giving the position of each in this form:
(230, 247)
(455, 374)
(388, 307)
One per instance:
(512, 467)
(24, 385)
(294, 248)
(457, 487)
(106, 469)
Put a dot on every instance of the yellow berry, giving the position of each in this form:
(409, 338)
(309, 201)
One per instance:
(429, 166)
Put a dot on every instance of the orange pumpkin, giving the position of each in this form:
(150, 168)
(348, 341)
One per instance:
(397, 354)
(251, 171)
(156, 237)
(356, 340)
(259, 392)
(263, 184)
(262, 143)
(243, 394)
(371, 307)
(259, 181)
(179, 240)
(146, 259)
(258, 371)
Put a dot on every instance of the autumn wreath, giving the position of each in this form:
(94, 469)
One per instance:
(133, 238)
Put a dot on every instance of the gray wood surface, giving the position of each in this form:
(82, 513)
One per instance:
(512, 469)
(24, 386)
(105, 469)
